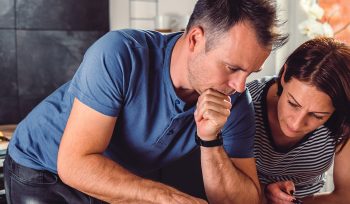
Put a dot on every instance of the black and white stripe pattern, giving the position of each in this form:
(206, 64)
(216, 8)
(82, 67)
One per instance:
(304, 164)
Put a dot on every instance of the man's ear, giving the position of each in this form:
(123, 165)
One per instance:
(283, 73)
(195, 37)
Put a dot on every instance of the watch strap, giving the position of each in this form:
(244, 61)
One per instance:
(209, 143)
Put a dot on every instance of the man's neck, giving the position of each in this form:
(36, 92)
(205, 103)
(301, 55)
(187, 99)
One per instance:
(179, 72)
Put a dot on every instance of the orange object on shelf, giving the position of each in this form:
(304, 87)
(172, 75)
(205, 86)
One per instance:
(6, 132)
(337, 14)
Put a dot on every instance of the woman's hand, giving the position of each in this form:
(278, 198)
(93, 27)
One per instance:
(280, 193)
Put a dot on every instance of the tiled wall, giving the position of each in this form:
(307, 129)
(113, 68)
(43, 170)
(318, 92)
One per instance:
(41, 45)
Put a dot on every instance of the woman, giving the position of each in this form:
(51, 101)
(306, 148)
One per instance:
(303, 123)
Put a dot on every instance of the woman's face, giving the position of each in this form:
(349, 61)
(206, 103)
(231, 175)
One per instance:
(302, 108)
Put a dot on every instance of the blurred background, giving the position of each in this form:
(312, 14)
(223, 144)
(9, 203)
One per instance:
(42, 42)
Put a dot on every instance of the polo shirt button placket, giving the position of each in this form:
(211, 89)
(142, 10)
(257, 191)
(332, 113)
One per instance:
(170, 132)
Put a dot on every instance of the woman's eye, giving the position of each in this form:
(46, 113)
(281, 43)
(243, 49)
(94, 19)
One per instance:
(292, 104)
(318, 117)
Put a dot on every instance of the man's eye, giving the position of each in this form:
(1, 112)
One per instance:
(233, 69)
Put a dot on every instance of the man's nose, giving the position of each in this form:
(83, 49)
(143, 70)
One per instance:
(238, 83)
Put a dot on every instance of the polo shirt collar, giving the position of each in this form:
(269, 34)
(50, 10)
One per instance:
(178, 104)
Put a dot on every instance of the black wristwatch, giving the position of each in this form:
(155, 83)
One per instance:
(209, 143)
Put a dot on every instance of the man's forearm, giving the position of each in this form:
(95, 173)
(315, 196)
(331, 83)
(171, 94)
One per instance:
(223, 182)
(102, 178)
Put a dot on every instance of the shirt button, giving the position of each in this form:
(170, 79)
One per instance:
(177, 101)
(170, 132)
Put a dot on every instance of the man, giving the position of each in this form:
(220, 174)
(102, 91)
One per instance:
(138, 102)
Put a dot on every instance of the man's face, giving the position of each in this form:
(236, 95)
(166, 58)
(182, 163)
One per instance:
(226, 66)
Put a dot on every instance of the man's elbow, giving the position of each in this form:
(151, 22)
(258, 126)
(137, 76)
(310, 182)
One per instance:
(65, 168)
(62, 170)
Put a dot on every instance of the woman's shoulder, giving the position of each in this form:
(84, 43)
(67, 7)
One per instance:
(322, 133)
(257, 86)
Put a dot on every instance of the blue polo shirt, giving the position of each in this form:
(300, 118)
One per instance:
(125, 74)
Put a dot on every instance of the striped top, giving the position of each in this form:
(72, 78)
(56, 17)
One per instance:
(305, 163)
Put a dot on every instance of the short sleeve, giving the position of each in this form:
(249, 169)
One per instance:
(239, 130)
(99, 80)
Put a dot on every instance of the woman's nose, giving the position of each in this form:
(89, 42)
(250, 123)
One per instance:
(298, 122)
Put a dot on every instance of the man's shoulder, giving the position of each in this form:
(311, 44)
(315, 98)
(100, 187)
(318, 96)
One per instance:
(137, 38)
(121, 46)
(125, 41)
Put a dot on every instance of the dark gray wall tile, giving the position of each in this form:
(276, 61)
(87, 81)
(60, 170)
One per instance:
(62, 14)
(8, 71)
(9, 110)
(41, 46)
(7, 14)
(47, 59)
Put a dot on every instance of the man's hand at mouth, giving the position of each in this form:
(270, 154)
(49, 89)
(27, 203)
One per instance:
(212, 111)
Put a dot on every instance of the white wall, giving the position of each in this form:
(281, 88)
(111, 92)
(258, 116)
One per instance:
(291, 13)
(176, 7)
(118, 14)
